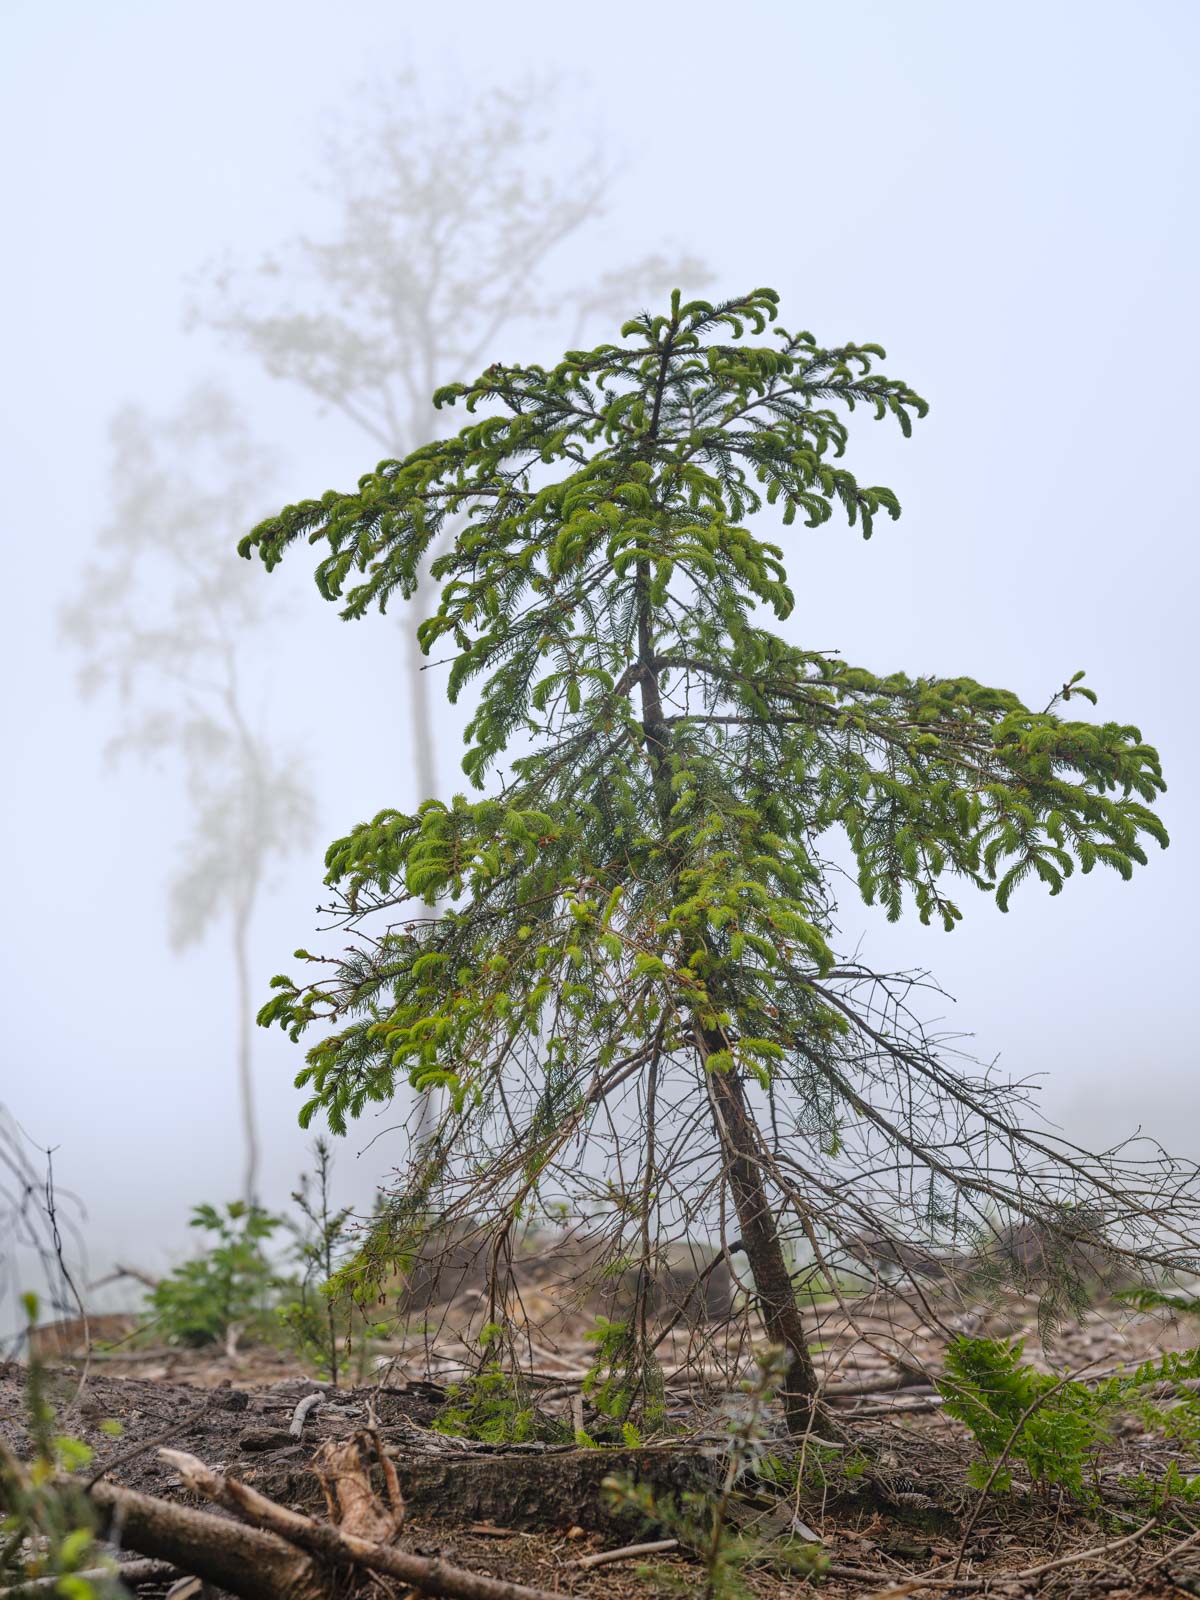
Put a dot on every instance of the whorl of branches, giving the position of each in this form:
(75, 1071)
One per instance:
(640, 940)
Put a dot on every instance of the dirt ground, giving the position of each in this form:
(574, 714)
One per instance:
(529, 1513)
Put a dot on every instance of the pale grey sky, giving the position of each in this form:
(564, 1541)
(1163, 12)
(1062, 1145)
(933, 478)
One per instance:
(1003, 196)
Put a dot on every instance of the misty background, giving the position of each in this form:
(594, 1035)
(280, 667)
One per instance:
(243, 245)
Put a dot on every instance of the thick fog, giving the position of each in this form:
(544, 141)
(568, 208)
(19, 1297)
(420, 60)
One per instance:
(243, 244)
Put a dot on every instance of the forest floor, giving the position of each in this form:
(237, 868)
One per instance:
(905, 1523)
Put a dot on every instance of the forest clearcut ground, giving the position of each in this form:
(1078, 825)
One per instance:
(897, 1523)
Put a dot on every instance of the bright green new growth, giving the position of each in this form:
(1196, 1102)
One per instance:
(668, 445)
(232, 1283)
(644, 898)
(1055, 1427)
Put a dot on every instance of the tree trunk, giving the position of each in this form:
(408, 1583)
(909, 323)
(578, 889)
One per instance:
(424, 758)
(425, 771)
(761, 1242)
(734, 1126)
(241, 924)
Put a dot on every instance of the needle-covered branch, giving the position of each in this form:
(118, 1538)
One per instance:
(657, 862)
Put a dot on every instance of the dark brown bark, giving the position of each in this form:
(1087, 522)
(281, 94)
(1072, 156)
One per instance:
(756, 1216)
(286, 1556)
(334, 1546)
(548, 1491)
(243, 1561)
(761, 1242)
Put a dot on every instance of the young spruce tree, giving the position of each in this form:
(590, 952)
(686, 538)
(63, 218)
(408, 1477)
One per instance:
(643, 906)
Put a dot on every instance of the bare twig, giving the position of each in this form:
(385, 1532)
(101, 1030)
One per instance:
(1026, 1575)
(1080, 1556)
(118, 1272)
(628, 1552)
(140, 1571)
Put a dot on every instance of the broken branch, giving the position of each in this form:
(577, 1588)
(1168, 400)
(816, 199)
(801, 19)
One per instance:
(429, 1574)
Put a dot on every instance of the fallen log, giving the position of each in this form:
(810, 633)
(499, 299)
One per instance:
(271, 1552)
(881, 1383)
(243, 1561)
(555, 1488)
(431, 1575)
(283, 1555)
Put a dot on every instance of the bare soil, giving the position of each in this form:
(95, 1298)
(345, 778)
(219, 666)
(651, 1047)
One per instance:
(529, 1512)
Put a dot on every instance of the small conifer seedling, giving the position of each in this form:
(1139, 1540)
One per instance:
(619, 963)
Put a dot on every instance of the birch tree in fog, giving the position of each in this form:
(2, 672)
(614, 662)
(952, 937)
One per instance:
(448, 241)
(166, 618)
(449, 236)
